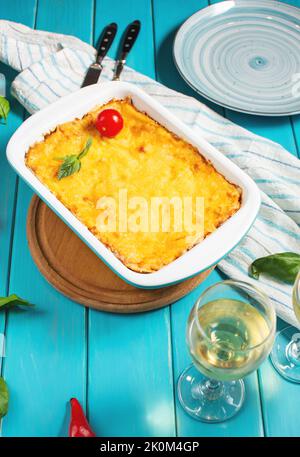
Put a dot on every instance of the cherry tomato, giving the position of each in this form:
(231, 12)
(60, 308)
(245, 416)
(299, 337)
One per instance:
(109, 122)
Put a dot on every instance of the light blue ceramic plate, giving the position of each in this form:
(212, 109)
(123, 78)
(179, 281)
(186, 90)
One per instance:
(244, 55)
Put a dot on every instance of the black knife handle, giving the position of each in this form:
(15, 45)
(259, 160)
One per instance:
(106, 40)
(130, 37)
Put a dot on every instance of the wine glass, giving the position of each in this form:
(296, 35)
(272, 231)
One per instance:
(285, 354)
(230, 332)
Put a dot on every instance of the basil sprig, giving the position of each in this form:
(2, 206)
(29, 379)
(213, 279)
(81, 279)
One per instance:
(4, 108)
(4, 397)
(12, 301)
(284, 266)
(72, 163)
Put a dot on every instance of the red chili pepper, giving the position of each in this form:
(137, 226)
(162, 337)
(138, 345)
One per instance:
(79, 426)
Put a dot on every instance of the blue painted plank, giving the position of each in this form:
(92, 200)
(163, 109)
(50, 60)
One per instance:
(130, 367)
(7, 185)
(173, 17)
(249, 421)
(280, 399)
(8, 182)
(295, 120)
(141, 57)
(275, 128)
(71, 17)
(292, 2)
(46, 347)
(277, 394)
(281, 402)
(8, 177)
(120, 400)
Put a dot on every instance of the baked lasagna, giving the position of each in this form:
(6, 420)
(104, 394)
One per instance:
(147, 161)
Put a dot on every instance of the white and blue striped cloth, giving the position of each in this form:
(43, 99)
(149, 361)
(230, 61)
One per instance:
(53, 65)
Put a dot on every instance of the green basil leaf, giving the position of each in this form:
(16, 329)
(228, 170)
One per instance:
(4, 107)
(13, 300)
(70, 165)
(70, 159)
(4, 397)
(284, 266)
(86, 148)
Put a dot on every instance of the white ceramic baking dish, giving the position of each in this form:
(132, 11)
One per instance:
(201, 256)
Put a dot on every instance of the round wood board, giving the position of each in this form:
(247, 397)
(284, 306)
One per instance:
(74, 270)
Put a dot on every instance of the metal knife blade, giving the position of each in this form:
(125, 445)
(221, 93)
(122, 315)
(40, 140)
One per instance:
(105, 42)
(130, 37)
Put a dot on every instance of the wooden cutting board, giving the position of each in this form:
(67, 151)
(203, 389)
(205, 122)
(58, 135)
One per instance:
(74, 270)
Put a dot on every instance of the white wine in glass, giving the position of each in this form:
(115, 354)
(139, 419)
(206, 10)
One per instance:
(230, 332)
(285, 354)
(234, 327)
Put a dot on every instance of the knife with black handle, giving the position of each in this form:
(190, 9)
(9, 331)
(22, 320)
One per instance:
(130, 37)
(106, 40)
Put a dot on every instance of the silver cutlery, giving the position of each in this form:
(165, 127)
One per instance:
(130, 37)
(95, 69)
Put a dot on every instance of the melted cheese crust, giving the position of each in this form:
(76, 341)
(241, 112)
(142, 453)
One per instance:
(148, 161)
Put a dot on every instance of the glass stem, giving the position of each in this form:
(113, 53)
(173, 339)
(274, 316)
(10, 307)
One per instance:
(212, 389)
(297, 354)
(293, 351)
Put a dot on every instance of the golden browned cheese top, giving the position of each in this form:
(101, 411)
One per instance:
(145, 160)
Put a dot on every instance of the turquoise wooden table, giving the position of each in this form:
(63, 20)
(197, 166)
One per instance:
(122, 368)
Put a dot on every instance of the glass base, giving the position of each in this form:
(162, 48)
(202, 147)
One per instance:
(285, 354)
(207, 400)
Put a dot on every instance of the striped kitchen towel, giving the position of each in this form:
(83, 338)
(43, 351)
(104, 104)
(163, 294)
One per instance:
(53, 65)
